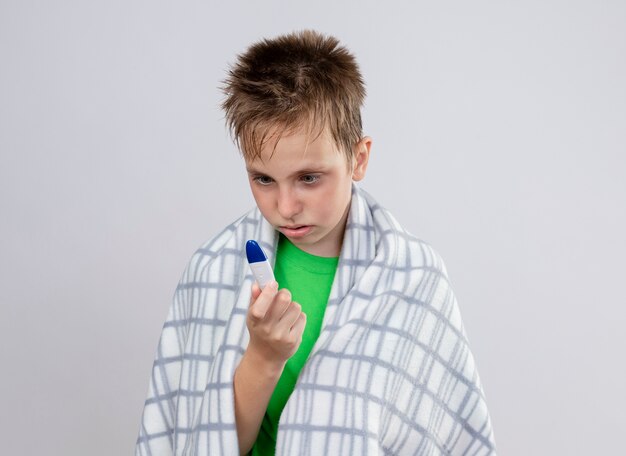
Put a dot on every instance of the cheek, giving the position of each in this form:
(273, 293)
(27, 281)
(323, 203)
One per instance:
(262, 201)
(333, 200)
(255, 195)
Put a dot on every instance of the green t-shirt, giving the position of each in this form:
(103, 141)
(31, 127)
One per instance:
(309, 279)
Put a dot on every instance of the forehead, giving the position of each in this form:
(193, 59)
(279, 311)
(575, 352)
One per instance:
(297, 149)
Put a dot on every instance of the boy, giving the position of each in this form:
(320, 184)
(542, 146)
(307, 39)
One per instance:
(362, 349)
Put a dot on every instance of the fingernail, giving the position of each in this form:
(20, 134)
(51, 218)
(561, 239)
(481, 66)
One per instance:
(273, 285)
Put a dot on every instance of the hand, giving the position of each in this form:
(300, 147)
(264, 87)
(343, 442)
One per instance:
(275, 323)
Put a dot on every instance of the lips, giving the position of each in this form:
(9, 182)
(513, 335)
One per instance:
(295, 231)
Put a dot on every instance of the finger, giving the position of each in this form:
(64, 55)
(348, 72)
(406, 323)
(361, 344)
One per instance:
(291, 314)
(289, 318)
(298, 327)
(279, 306)
(259, 307)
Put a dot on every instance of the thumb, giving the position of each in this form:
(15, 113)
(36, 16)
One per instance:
(256, 291)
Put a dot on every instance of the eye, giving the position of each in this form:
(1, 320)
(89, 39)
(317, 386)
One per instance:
(310, 178)
(262, 180)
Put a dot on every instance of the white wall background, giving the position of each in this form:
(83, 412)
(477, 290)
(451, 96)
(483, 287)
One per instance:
(499, 137)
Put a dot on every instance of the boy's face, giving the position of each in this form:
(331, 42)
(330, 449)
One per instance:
(304, 190)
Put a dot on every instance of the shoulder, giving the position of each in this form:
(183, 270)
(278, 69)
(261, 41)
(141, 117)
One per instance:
(223, 245)
(400, 248)
(416, 272)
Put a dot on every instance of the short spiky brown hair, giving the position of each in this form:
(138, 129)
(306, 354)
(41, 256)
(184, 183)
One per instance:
(303, 79)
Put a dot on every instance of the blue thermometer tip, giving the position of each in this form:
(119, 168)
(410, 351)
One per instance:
(254, 252)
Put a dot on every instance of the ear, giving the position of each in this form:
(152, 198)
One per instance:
(361, 157)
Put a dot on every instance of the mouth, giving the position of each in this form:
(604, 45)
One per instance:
(295, 231)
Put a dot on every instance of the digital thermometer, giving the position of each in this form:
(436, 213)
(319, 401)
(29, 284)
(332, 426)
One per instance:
(259, 264)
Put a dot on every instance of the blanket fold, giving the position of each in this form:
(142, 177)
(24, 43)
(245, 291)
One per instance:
(391, 372)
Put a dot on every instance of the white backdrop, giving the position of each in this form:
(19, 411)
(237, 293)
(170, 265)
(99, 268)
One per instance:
(499, 137)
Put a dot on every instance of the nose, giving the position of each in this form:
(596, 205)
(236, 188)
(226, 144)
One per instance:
(289, 204)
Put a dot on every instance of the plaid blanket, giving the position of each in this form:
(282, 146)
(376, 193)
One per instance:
(391, 372)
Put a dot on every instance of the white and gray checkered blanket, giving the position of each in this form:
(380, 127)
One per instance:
(391, 372)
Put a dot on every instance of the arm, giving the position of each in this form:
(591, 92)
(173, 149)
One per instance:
(254, 383)
(275, 324)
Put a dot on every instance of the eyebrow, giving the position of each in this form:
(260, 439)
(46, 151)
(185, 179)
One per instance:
(307, 170)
